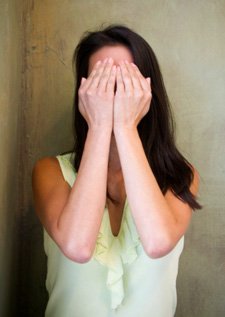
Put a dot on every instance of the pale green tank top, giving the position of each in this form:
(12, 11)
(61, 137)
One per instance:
(120, 280)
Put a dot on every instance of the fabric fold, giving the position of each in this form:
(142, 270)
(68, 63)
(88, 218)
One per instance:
(115, 252)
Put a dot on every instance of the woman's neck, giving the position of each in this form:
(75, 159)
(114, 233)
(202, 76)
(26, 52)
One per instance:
(114, 161)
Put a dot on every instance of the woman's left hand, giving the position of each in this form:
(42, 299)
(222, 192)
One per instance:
(132, 97)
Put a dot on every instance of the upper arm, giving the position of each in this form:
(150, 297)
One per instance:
(50, 193)
(181, 210)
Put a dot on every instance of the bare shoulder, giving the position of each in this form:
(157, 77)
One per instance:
(46, 175)
(46, 169)
(48, 163)
(50, 191)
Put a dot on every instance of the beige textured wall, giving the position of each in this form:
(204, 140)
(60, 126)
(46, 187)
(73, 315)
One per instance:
(188, 38)
(10, 93)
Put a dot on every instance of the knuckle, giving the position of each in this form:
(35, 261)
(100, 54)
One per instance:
(129, 94)
(81, 92)
(90, 92)
(148, 94)
(139, 93)
(100, 93)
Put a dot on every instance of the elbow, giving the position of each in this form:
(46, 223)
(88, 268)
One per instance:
(156, 253)
(159, 247)
(77, 253)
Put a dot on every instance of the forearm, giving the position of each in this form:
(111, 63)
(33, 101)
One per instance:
(153, 217)
(81, 217)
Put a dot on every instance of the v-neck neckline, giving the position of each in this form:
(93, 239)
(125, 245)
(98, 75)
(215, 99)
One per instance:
(122, 220)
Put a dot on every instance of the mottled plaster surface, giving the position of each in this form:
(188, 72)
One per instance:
(10, 98)
(188, 39)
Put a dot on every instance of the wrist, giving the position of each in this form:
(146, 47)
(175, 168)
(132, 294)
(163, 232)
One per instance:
(125, 134)
(100, 133)
(100, 129)
(125, 130)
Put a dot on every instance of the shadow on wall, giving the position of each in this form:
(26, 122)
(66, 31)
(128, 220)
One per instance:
(32, 295)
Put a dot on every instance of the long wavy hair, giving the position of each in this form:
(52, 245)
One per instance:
(156, 129)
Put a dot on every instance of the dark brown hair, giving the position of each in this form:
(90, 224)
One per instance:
(156, 129)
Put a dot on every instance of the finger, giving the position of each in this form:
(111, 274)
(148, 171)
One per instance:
(105, 75)
(119, 80)
(82, 81)
(148, 79)
(94, 69)
(126, 77)
(134, 78)
(97, 76)
(142, 79)
(112, 79)
(91, 75)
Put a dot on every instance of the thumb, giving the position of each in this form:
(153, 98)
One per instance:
(148, 79)
(83, 80)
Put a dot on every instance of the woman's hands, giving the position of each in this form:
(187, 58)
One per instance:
(96, 95)
(114, 96)
(132, 98)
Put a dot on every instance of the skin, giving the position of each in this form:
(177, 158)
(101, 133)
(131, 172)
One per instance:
(72, 216)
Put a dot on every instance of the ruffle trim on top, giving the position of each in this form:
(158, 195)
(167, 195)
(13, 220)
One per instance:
(115, 252)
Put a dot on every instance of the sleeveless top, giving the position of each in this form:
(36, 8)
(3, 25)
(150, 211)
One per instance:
(120, 280)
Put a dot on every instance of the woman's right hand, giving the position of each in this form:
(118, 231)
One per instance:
(96, 95)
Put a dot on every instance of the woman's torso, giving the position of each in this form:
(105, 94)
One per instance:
(120, 280)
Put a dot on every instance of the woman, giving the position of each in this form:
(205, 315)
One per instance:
(115, 210)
